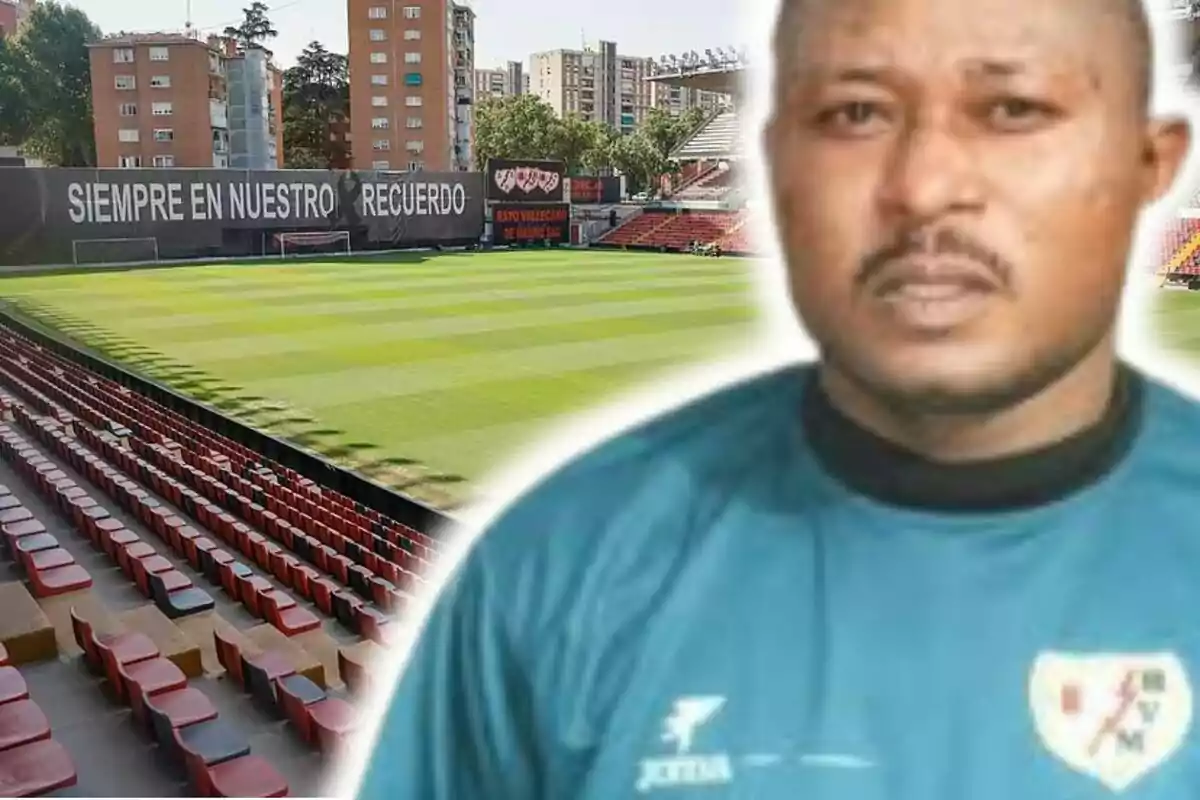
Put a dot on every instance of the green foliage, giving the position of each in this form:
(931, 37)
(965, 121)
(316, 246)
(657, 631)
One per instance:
(45, 86)
(524, 126)
(315, 92)
(256, 27)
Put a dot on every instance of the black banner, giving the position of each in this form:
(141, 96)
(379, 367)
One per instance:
(595, 191)
(46, 213)
(525, 181)
(514, 223)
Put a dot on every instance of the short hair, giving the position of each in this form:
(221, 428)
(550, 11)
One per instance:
(1133, 12)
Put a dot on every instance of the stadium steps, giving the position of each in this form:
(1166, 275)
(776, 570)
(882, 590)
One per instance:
(315, 650)
(244, 467)
(361, 579)
(331, 654)
(1184, 252)
(138, 674)
(95, 632)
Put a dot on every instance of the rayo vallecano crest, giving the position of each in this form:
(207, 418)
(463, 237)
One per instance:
(1113, 716)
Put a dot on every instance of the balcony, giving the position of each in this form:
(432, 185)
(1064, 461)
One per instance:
(218, 113)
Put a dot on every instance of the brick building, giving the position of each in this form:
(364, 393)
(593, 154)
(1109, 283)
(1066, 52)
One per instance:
(412, 66)
(170, 100)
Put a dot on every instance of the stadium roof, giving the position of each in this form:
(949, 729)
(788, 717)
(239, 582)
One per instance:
(726, 80)
(723, 70)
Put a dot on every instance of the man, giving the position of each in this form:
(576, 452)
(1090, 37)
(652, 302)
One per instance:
(959, 558)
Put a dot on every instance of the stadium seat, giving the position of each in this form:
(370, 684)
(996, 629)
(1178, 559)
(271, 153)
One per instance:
(246, 776)
(333, 722)
(289, 618)
(152, 676)
(22, 722)
(211, 741)
(36, 769)
(12, 685)
(177, 708)
(120, 648)
(181, 602)
(261, 671)
(59, 580)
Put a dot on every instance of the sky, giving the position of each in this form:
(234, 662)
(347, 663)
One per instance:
(504, 29)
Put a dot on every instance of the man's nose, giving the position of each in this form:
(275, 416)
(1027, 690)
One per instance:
(932, 172)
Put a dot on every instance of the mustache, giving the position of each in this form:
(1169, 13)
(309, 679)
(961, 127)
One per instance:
(935, 242)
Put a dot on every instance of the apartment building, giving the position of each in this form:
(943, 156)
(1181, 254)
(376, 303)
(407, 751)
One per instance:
(170, 100)
(412, 65)
(502, 81)
(598, 84)
(12, 12)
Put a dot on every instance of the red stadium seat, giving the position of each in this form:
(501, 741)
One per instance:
(12, 685)
(247, 776)
(22, 722)
(36, 769)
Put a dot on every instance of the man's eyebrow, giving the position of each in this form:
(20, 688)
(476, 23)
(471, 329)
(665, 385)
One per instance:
(990, 68)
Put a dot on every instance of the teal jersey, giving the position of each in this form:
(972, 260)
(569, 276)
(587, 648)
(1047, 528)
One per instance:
(704, 607)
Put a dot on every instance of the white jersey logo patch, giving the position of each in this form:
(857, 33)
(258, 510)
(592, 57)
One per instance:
(1115, 717)
(680, 727)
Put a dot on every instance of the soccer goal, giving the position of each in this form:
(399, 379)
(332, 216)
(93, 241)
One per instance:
(310, 242)
(114, 251)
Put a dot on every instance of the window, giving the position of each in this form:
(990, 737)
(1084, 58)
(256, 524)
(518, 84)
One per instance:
(123, 55)
(128, 109)
(379, 80)
(378, 35)
(160, 54)
(379, 58)
(379, 102)
(164, 161)
(377, 12)
(412, 12)
(129, 135)
(381, 165)
(416, 166)
(162, 109)
(126, 82)
(413, 102)
(129, 162)
(164, 134)
(382, 145)
(412, 58)
(412, 35)
(415, 122)
(415, 146)
(160, 82)
(412, 79)
(381, 123)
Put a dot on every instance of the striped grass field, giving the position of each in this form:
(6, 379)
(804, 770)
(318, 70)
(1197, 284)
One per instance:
(424, 372)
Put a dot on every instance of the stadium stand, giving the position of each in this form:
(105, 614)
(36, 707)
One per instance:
(187, 575)
(705, 206)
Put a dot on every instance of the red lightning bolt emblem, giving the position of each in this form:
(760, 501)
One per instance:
(1126, 694)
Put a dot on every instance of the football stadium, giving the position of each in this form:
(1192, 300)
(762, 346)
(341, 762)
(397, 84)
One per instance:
(238, 408)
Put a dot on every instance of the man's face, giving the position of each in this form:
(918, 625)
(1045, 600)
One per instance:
(956, 187)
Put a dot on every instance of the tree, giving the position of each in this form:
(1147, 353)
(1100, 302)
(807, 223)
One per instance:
(582, 146)
(15, 112)
(513, 126)
(45, 86)
(256, 27)
(639, 160)
(316, 92)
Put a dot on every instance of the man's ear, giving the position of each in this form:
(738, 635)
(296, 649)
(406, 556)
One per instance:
(1168, 141)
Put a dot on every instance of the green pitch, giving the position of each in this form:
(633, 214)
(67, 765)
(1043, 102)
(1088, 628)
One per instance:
(424, 372)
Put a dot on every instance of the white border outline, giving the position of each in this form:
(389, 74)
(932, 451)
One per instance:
(782, 340)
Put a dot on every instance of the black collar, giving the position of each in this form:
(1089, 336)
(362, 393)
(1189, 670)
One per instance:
(886, 472)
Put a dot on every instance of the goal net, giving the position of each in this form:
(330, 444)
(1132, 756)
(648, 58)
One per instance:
(114, 251)
(313, 242)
